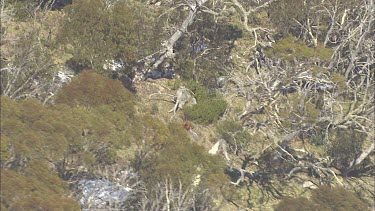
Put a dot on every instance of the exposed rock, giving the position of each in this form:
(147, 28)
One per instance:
(309, 184)
(215, 148)
(114, 65)
(100, 194)
(221, 82)
(63, 76)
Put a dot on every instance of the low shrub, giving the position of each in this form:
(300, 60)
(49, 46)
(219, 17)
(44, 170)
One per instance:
(209, 105)
(90, 89)
(324, 198)
(206, 112)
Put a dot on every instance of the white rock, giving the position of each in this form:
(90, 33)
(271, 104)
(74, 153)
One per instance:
(309, 184)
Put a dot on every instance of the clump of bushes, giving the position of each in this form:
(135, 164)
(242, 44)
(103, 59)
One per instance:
(38, 191)
(210, 106)
(206, 112)
(90, 120)
(180, 159)
(90, 89)
(324, 198)
(95, 31)
(288, 48)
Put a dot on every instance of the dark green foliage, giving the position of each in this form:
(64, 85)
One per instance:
(324, 198)
(206, 112)
(209, 107)
(200, 92)
(346, 145)
(317, 138)
(90, 131)
(93, 122)
(111, 110)
(34, 132)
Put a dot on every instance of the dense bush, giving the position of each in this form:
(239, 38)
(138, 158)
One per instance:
(31, 136)
(209, 107)
(324, 198)
(90, 89)
(32, 132)
(206, 112)
(96, 30)
(181, 160)
(67, 135)
(19, 192)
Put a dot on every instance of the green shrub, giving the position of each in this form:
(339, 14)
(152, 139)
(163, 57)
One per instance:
(95, 31)
(206, 112)
(317, 138)
(39, 190)
(200, 92)
(181, 160)
(289, 47)
(324, 198)
(90, 89)
(209, 105)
